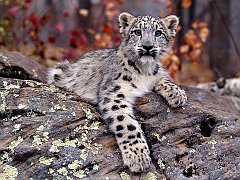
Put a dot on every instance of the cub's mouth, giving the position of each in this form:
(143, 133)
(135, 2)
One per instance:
(147, 53)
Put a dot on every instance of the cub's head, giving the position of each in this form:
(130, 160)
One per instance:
(146, 38)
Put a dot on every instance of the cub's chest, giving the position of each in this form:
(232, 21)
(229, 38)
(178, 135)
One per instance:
(143, 84)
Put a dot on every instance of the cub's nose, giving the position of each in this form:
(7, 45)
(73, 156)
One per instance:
(147, 48)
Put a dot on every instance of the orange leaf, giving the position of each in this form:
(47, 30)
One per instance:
(195, 54)
(83, 12)
(169, 5)
(184, 48)
(186, 4)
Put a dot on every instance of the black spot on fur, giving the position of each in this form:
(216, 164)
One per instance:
(109, 120)
(123, 106)
(155, 71)
(131, 137)
(135, 142)
(119, 135)
(177, 102)
(115, 107)
(75, 85)
(120, 117)
(120, 95)
(116, 88)
(131, 63)
(106, 100)
(131, 127)
(117, 101)
(118, 76)
(127, 78)
(133, 85)
(119, 127)
(124, 147)
(131, 116)
(123, 64)
(138, 135)
(104, 111)
(125, 142)
(56, 77)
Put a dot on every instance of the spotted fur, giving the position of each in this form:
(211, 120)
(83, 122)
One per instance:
(113, 78)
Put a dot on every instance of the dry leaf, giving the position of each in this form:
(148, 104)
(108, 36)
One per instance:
(184, 49)
(83, 12)
(195, 54)
(186, 4)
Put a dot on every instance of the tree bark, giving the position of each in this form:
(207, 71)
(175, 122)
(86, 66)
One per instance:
(219, 50)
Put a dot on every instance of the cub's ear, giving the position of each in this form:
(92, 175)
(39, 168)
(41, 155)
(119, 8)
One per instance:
(171, 22)
(125, 22)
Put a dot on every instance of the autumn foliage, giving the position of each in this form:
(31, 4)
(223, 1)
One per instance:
(48, 51)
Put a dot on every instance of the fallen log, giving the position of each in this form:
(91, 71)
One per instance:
(51, 133)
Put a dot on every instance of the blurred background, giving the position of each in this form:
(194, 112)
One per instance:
(207, 45)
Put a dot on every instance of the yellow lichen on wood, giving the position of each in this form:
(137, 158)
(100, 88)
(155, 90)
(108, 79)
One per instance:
(14, 144)
(67, 143)
(148, 176)
(45, 160)
(9, 173)
(125, 176)
(161, 164)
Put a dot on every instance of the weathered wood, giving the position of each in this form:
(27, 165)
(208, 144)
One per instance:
(49, 132)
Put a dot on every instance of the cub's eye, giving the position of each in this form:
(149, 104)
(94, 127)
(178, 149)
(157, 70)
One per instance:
(138, 32)
(158, 33)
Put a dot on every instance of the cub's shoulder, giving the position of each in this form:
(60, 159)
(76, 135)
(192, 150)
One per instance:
(99, 54)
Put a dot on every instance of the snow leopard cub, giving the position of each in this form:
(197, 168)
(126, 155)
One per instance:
(113, 78)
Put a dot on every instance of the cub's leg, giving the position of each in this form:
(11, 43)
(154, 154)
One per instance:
(171, 92)
(118, 114)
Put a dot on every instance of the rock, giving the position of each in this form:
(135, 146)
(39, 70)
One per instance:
(16, 65)
(223, 86)
(51, 133)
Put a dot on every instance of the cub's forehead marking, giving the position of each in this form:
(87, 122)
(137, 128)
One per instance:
(148, 22)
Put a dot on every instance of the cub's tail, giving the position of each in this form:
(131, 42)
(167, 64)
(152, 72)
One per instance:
(58, 73)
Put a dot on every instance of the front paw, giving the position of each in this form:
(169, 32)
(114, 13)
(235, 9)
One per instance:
(177, 97)
(136, 157)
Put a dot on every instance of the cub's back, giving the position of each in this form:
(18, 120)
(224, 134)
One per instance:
(84, 76)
